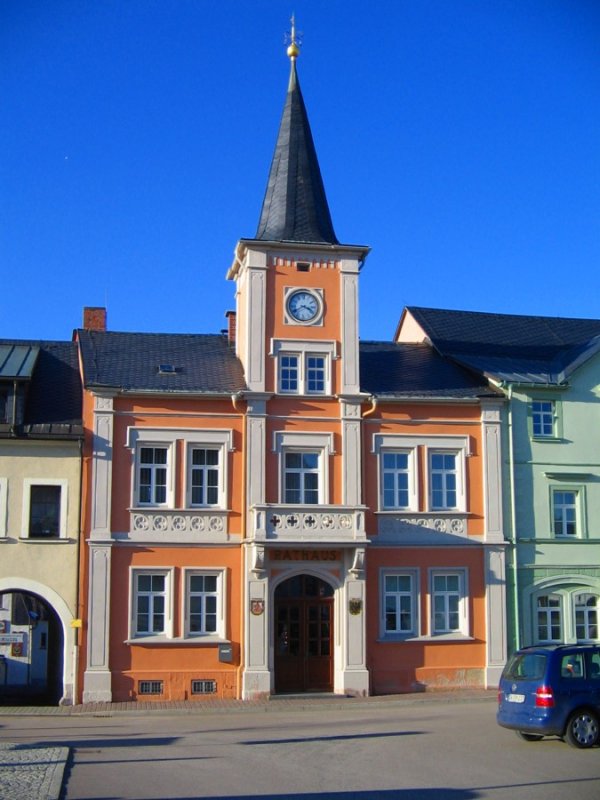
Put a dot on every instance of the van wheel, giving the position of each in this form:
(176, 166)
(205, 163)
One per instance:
(529, 737)
(582, 729)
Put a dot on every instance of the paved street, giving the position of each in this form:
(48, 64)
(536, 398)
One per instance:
(446, 750)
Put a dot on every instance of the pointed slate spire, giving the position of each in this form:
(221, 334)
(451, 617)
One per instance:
(295, 206)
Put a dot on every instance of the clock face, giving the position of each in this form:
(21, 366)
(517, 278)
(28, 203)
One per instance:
(303, 306)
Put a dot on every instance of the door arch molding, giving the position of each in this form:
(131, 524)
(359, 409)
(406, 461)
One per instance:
(61, 609)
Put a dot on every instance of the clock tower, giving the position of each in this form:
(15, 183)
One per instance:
(297, 338)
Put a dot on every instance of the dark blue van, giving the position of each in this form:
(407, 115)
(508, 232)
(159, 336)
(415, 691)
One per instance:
(552, 690)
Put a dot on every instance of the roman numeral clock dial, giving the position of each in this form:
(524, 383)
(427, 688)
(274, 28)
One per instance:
(303, 306)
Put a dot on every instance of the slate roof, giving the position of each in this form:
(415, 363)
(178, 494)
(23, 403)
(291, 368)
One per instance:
(202, 363)
(295, 207)
(390, 370)
(53, 404)
(510, 347)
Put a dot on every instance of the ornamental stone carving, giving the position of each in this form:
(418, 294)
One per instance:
(182, 523)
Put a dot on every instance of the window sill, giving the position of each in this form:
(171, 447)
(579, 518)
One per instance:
(47, 539)
(188, 641)
(441, 637)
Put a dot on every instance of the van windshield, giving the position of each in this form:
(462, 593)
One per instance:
(526, 666)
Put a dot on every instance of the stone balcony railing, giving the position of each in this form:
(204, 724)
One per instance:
(317, 524)
(178, 525)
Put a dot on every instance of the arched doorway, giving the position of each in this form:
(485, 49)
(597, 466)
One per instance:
(31, 648)
(303, 635)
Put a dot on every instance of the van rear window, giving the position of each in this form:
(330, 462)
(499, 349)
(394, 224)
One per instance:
(526, 666)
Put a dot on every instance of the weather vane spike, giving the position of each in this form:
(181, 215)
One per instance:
(293, 50)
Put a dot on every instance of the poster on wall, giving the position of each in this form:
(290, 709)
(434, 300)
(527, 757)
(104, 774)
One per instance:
(17, 650)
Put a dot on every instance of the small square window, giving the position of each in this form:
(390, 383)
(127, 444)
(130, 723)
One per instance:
(150, 687)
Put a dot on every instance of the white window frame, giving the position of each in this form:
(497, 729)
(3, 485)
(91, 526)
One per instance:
(458, 473)
(167, 573)
(221, 593)
(303, 350)
(548, 613)
(463, 629)
(414, 594)
(168, 466)
(63, 483)
(578, 505)
(555, 414)
(421, 447)
(210, 438)
(413, 496)
(586, 611)
(320, 443)
(3, 507)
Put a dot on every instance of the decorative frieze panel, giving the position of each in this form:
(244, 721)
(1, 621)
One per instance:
(318, 524)
(177, 525)
(414, 527)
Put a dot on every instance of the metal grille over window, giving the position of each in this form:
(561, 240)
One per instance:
(204, 687)
(150, 687)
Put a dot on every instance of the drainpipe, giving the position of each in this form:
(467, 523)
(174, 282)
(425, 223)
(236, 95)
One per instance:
(513, 519)
(235, 398)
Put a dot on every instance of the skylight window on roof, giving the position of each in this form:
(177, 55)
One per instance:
(167, 369)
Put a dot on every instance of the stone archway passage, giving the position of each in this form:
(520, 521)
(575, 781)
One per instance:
(32, 663)
(303, 635)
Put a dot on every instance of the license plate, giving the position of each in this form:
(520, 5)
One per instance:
(515, 698)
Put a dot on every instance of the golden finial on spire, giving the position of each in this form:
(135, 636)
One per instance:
(293, 50)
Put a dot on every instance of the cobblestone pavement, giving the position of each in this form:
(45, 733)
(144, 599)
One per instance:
(31, 773)
(36, 773)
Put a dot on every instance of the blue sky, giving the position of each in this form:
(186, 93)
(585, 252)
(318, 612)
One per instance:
(459, 139)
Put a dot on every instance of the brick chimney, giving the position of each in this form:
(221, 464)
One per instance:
(231, 326)
(94, 318)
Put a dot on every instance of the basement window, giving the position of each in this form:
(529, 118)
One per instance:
(150, 687)
(204, 687)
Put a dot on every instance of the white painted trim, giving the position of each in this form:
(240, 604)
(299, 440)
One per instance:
(64, 614)
(64, 488)
(221, 575)
(169, 573)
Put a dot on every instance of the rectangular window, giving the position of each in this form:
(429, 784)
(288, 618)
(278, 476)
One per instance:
(151, 603)
(152, 475)
(542, 418)
(205, 475)
(301, 478)
(315, 374)
(395, 476)
(204, 687)
(443, 480)
(44, 511)
(586, 617)
(303, 373)
(448, 603)
(202, 600)
(150, 687)
(549, 618)
(564, 512)
(288, 373)
(399, 604)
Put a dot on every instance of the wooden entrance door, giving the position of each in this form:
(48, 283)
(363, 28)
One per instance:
(304, 635)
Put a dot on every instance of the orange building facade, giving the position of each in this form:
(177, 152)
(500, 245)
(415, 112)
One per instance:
(285, 509)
